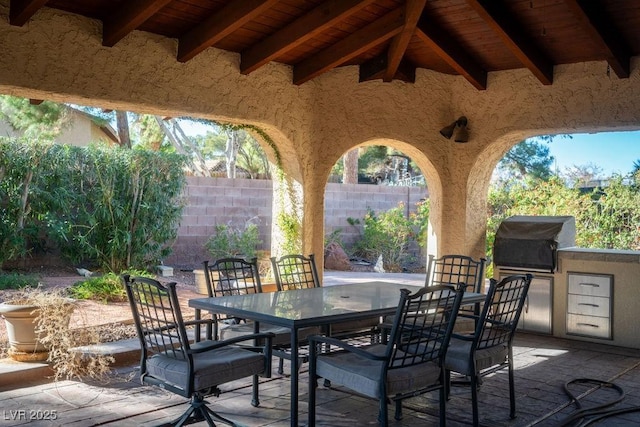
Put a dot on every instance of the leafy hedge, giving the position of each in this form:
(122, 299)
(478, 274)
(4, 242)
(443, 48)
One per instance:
(606, 218)
(390, 234)
(113, 207)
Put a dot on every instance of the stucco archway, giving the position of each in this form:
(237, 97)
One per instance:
(428, 170)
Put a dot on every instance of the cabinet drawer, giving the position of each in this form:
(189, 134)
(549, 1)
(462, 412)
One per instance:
(588, 305)
(590, 284)
(591, 326)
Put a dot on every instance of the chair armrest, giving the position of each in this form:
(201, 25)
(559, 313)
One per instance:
(219, 344)
(319, 339)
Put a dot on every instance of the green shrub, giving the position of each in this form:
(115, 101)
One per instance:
(17, 281)
(334, 237)
(388, 234)
(228, 241)
(105, 288)
(112, 207)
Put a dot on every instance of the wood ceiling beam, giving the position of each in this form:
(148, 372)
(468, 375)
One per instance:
(602, 32)
(442, 44)
(127, 18)
(399, 44)
(506, 28)
(219, 25)
(20, 11)
(298, 32)
(375, 68)
(351, 46)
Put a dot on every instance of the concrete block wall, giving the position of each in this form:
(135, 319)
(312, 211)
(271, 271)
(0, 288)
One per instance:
(344, 201)
(213, 201)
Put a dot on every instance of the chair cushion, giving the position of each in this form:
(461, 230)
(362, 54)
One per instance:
(210, 368)
(282, 338)
(459, 352)
(363, 375)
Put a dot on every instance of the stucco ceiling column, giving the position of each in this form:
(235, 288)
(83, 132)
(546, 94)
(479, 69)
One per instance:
(449, 223)
(313, 220)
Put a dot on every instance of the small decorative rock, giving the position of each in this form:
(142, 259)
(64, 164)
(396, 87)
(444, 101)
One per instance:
(379, 267)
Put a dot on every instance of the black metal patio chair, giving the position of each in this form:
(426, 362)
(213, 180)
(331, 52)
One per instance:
(411, 363)
(237, 276)
(490, 347)
(298, 272)
(172, 360)
(453, 269)
(295, 272)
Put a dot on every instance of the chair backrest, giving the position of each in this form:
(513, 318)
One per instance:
(501, 311)
(158, 319)
(232, 276)
(295, 272)
(453, 269)
(423, 325)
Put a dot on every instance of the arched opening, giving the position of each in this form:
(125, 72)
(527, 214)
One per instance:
(251, 205)
(531, 180)
(380, 217)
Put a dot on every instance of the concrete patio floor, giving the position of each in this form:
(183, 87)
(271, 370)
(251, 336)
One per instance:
(543, 365)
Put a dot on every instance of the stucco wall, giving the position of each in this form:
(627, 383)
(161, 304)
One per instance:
(59, 56)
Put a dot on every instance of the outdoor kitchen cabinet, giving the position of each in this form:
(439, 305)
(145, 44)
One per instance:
(538, 307)
(589, 302)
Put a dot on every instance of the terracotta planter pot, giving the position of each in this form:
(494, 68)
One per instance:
(20, 321)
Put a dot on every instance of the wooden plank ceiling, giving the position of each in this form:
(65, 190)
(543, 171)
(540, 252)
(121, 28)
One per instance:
(387, 39)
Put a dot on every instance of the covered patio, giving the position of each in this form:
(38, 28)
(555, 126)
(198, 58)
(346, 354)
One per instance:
(320, 78)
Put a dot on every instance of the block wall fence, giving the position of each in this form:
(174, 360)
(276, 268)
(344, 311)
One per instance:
(213, 201)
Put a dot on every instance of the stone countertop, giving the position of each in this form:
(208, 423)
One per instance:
(604, 255)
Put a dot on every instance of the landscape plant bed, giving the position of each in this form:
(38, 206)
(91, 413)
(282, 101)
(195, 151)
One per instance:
(112, 320)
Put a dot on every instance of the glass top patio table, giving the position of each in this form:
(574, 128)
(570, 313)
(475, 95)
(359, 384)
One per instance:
(301, 308)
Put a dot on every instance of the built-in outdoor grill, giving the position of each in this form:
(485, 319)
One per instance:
(532, 242)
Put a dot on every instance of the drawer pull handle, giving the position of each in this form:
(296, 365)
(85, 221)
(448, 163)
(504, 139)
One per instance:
(593, 285)
(588, 324)
(590, 305)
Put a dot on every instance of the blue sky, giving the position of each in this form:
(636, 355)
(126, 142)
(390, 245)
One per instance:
(613, 152)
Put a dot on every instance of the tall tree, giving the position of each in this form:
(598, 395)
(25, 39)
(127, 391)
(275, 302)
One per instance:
(123, 128)
(252, 158)
(582, 175)
(529, 158)
(34, 120)
(350, 170)
(231, 152)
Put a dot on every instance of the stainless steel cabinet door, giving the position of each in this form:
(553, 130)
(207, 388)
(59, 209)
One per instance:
(538, 308)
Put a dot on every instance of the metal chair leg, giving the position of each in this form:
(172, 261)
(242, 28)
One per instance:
(474, 400)
(512, 390)
(255, 400)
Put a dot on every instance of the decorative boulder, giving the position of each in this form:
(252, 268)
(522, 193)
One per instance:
(335, 258)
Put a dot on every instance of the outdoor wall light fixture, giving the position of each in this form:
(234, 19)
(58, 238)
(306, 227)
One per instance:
(459, 127)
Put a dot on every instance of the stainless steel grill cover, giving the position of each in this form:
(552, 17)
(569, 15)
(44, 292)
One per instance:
(532, 242)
